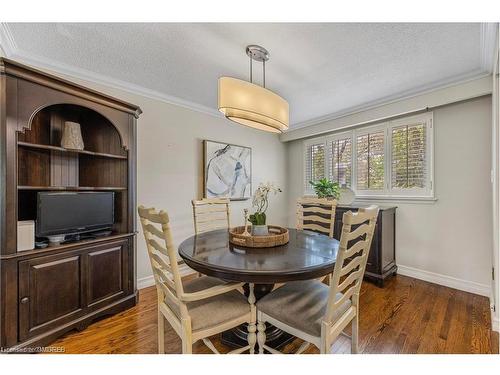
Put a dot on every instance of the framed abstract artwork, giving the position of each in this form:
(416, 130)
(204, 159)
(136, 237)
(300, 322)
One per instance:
(227, 171)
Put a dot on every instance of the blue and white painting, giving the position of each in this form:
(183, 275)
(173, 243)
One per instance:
(228, 171)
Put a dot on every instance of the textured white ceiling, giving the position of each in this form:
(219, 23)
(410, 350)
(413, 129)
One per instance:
(321, 69)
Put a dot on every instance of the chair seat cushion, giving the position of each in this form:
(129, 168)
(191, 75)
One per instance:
(212, 311)
(301, 305)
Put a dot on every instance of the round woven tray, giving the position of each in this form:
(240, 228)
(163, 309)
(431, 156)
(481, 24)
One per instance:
(277, 236)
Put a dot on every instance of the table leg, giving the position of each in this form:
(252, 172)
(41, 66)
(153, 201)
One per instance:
(238, 337)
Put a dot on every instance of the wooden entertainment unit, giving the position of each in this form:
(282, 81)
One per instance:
(47, 292)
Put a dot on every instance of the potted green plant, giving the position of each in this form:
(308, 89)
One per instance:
(324, 188)
(260, 202)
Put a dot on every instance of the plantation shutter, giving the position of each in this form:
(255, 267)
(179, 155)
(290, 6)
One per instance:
(314, 163)
(370, 161)
(408, 150)
(340, 157)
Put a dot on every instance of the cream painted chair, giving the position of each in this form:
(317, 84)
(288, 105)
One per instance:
(309, 211)
(318, 313)
(210, 214)
(198, 308)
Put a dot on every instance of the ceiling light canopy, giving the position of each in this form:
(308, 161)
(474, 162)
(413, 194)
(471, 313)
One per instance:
(252, 105)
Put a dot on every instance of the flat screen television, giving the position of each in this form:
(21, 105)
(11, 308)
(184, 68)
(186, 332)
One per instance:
(61, 213)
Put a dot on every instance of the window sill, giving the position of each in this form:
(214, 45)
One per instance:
(402, 199)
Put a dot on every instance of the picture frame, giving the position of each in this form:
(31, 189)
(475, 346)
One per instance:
(227, 170)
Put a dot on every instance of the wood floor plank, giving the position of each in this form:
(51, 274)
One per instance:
(406, 316)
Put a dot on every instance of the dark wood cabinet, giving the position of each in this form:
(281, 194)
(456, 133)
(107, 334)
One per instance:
(50, 292)
(382, 258)
(47, 292)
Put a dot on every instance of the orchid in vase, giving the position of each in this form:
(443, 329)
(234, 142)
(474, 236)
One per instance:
(260, 202)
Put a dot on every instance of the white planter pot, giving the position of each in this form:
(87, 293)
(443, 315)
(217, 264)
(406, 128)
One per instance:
(260, 230)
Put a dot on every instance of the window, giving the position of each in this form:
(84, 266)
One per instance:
(408, 157)
(370, 161)
(314, 163)
(391, 160)
(341, 160)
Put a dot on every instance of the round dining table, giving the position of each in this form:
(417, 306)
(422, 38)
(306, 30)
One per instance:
(306, 256)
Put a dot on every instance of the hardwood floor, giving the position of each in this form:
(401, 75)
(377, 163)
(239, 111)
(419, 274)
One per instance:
(407, 316)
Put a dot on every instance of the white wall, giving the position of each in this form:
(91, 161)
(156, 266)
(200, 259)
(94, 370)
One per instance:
(170, 167)
(450, 240)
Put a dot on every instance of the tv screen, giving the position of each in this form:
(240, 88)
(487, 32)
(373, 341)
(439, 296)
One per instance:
(71, 212)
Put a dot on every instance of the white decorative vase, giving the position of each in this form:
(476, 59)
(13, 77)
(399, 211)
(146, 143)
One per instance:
(347, 196)
(260, 230)
(72, 136)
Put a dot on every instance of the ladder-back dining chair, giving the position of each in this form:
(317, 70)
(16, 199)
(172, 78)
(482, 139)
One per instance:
(318, 313)
(198, 308)
(210, 214)
(316, 214)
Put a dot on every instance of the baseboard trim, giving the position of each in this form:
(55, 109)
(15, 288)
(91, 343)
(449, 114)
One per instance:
(145, 282)
(449, 281)
(494, 322)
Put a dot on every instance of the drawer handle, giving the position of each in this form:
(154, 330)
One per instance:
(24, 300)
(368, 264)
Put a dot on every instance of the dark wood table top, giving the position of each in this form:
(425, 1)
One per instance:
(307, 256)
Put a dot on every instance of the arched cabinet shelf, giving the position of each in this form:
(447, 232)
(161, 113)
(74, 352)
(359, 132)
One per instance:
(46, 292)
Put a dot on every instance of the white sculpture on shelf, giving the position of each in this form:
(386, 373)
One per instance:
(72, 136)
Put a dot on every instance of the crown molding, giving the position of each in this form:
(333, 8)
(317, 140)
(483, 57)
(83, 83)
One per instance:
(488, 35)
(488, 40)
(13, 52)
(458, 92)
(100, 79)
(422, 90)
(7, 43)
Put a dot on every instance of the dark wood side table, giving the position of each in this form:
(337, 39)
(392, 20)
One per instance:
(307, 256)
(382, 258)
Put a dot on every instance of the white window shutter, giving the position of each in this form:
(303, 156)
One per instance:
(370, 161)
(314, 163)
(409, 157)
(340, 158)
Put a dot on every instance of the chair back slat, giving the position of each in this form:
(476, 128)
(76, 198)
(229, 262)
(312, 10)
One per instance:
(155, 231)
(210, 214)
(162, 254)
(350, 266)
(315, 218)
(358, 232)
(313, 210)
(161, 263)
(351, 258)
(316, 214)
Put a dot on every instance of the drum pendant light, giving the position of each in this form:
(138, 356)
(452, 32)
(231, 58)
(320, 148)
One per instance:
(252, 105)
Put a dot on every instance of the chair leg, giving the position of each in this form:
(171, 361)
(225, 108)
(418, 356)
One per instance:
(323, 346)
(252, 328)
(252, 337)
(187, 341)
(354, 335)
(161, 333)
(187, 346)
(261, 335)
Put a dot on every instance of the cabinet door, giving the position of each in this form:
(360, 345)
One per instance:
(107, 273)
(373, 263)
(50, 292)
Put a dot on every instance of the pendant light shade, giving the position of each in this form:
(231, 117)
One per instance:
(252, 105)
